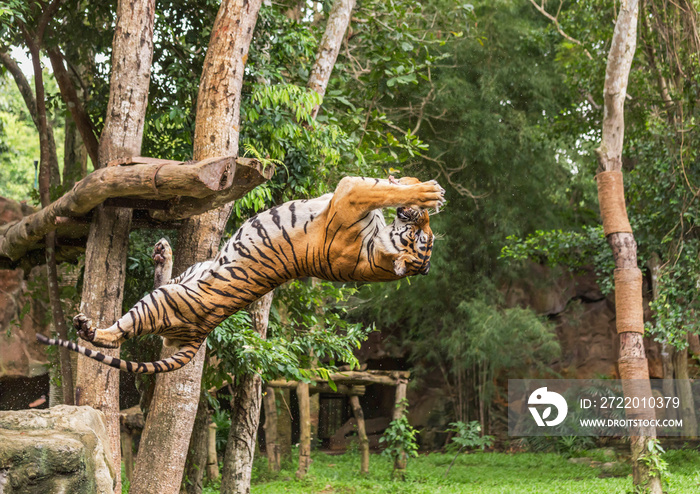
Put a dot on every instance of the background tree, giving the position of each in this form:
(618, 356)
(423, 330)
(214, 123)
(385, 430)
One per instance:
(216, 134)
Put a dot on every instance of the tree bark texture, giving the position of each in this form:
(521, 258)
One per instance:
(337, 24)
(245, 413)
(219, 102)
(304, 430)
(361, 434)
(272, 446)
(74, 155)
(193, 480)
(632, 361)
(176, 394)
(105, 261)
(144, 178)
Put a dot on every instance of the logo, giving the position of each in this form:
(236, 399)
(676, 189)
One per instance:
(543, 397)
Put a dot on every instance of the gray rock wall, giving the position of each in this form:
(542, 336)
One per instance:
(63, 449)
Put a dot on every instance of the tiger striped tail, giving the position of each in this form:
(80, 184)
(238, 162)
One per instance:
(178, 360)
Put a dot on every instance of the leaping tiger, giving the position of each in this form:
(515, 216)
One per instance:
(340, 236)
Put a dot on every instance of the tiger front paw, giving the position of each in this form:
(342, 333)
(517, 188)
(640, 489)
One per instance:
(430, 195)
(83, 326)
(162, 252)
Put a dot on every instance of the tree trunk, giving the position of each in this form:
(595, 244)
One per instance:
(105, 261)
(166, 435)
(628, 278)
(80, 121)
(193, 479)
(685, 393)
(314, 411)
(172, 414)
(331, 42)
(304, 430)
(271, 436)
(361, 434)
(74, 155)
(245, 413)
(48, 177)
(212, 457)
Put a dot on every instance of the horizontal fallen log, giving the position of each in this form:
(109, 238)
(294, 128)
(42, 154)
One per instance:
(351, 378)
(321, 387)
(143, 179)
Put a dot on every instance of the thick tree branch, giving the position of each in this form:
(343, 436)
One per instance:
(338, 21)
(164, 180)
(617, 72)
(75, 106)
(22, 84)
(48, 173)
(46, 17)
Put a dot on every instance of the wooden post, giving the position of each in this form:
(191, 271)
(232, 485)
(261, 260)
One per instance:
(687, 411)
(304, 429)
(212, 458)
(271, 436)
(284, 423)
(127, 454)
(361, 433)
(314, 409)
(131, 422)
(399, 409)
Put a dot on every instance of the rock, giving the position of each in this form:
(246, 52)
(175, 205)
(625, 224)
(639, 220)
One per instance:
(20, 354)
(63, 449)
(546, 290)
(604, 452)
(583, 460)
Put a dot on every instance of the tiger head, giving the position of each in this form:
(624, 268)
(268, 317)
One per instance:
(412, 238)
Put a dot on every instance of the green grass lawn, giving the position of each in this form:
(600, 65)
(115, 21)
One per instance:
(478, 472)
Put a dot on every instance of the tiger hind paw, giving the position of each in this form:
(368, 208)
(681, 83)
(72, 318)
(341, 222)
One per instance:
(162, 252)
(83, 326)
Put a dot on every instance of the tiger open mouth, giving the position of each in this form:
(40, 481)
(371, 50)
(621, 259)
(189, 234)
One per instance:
(407, 214)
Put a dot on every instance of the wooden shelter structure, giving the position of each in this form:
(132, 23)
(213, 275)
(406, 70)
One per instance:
(350, 383)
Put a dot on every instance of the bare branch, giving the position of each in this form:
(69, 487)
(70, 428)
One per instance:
(22, 84)
(461, 189)
(338, 21)
(555, 21)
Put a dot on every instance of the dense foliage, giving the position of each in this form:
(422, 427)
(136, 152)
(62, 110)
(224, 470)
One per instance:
(488, 97)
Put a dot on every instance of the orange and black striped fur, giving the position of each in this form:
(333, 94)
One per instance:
(337, 237)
